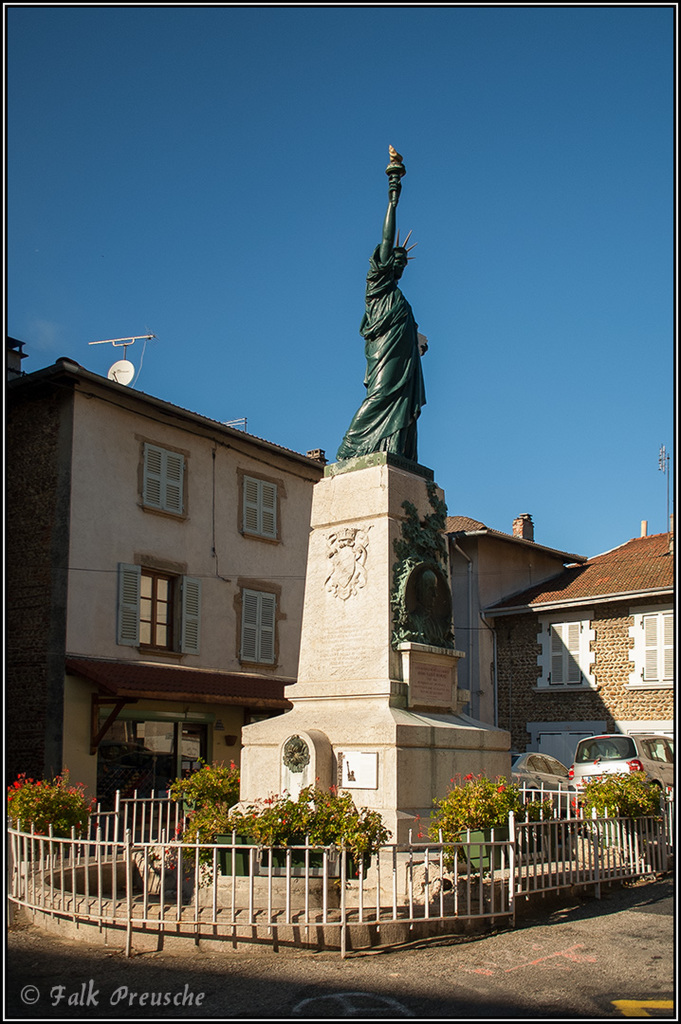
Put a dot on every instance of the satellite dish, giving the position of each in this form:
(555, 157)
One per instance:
(122, 372)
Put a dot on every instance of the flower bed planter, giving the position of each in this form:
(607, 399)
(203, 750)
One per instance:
(480, 854)
(315, 864)
(241, 857)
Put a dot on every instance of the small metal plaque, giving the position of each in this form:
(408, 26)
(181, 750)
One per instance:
(358, 769)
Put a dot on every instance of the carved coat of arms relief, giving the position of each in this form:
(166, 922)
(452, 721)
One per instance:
(347, 551)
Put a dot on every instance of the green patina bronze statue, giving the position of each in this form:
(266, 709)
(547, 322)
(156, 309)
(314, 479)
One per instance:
(386, 420)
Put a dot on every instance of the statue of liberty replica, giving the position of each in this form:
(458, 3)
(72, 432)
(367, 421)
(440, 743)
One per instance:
(377, 709)
(386, 420)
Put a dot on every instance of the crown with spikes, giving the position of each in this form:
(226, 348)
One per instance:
(407, 248)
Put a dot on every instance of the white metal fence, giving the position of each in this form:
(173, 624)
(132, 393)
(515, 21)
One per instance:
(131, 872)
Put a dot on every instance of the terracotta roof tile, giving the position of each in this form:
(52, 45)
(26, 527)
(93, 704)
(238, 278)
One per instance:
(464, 524)
(642, 564)
(457, 524)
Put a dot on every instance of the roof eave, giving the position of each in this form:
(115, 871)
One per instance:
(565, 556)
(68, 368)
(494, 611)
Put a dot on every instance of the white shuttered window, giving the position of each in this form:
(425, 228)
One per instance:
(658, 643)
(565, 657)
(565, 642)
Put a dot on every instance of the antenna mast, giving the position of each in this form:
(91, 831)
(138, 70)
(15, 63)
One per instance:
(123, 371)
(663, 466)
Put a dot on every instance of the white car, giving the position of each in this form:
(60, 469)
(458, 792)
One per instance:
(616, 754)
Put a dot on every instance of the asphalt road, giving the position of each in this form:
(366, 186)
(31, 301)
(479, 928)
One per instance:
(588, 959)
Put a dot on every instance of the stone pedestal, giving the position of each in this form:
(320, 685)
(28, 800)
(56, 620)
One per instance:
(384, 722)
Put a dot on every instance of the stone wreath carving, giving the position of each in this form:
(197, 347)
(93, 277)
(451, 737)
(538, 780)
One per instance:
(296, 754)
(347, 549)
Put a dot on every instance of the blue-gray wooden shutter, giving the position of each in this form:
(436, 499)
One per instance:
(260, 507)
(191, 615)
(268, 604)
(128, 631)
(163, 486)
(257, 626)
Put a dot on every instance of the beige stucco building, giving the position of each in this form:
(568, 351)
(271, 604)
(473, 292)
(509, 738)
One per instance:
(487, 565)
(156, 569)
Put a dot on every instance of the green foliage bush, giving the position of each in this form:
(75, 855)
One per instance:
(208, 794)
(327, 818)
(53, 802)
(474, 803)
(629, 796)
(210, 784)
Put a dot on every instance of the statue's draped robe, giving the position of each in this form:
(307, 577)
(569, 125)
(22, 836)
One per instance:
(386, 420)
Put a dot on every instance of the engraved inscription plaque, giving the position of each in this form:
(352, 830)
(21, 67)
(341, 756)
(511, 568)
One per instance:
(430, 685)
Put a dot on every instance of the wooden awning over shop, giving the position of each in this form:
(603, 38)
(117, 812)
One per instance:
(127, 680)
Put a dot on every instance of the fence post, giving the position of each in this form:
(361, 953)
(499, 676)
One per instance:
(596, 847)
(128, 892)
(343, 938)
(511, 865)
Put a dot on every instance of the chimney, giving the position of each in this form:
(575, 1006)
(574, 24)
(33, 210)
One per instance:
(523, 526)
(15, 354)
(318, 454)
(644, 527)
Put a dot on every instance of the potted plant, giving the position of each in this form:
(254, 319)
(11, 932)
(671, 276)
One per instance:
(209, 784)
(207, 795)
(531, 840)
(54, 802)
(473, 807)
(629, 796)
(315, 818)
(626, 796)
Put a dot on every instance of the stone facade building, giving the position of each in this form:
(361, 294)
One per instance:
(155, 565)
(589, 651)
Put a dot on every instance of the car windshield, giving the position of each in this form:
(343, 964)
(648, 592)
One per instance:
(515, 759)
(605, 748)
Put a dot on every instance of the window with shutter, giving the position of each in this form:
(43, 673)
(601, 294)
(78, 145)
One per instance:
(259, 507)
(258, 620)
(151, 606)
(163, 480)
(658, 644)
(565, 644)
(565, 656)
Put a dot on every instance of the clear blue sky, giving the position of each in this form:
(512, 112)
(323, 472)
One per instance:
(215, 176)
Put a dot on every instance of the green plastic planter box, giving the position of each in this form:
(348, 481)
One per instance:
(479, 855)
(241, 857)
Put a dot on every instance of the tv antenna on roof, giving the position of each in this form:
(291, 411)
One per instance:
(123, 370)
(663, 465)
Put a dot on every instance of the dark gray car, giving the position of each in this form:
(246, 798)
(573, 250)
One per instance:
(539, 771)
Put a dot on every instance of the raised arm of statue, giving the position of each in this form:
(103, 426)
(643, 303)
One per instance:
(388, 239)
(395, 170)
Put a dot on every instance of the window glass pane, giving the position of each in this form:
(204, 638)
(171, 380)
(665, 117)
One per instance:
(145, 585)
(145, 632)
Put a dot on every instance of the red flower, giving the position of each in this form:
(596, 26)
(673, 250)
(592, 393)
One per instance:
(467, 778)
